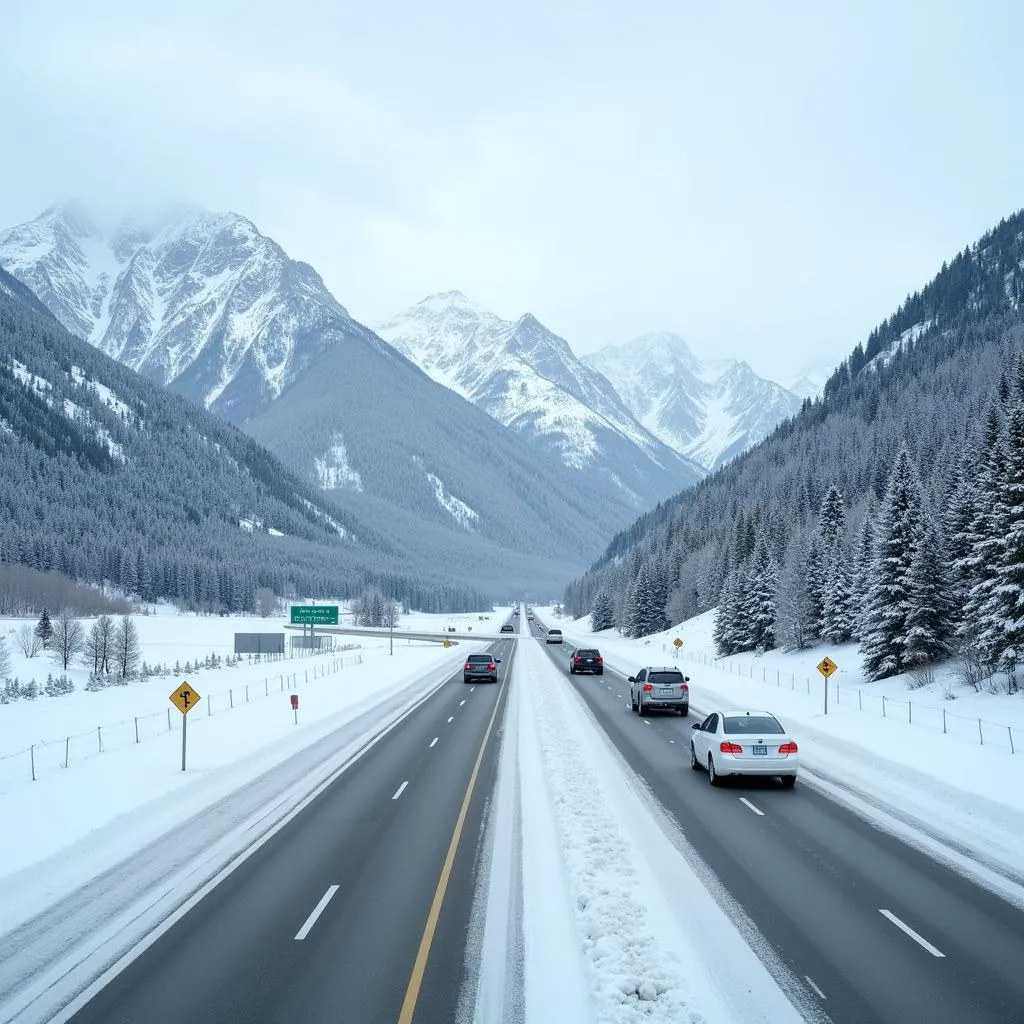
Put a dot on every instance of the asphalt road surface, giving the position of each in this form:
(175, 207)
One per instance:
(358, 909)
(879, 932)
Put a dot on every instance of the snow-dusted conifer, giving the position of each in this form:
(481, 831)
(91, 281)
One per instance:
(889, 599)
(758, 603)
(602, 614)
(930, 622)
(793, 627)
(1008, 592)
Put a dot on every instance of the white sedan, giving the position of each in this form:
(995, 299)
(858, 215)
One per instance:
(739, 742)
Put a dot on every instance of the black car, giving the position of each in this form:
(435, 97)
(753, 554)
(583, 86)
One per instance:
(507, 628)
(480, 668)
(586, 659)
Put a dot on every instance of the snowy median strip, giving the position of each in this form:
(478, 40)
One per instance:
(594, 857)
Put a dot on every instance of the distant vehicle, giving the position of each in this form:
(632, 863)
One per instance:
(554, 636)
(506, 627)
(480, 668)
(586, 659)
(660, 688)
(737, 742)
(530, 617)
(516, 612)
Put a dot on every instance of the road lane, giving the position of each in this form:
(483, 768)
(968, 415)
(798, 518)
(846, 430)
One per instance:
(814, 878)
(379, 835)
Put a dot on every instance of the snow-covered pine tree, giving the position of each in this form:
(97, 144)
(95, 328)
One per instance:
(602, 613)
(815, 568)
(985, 538)
(793, 628)
(1009, 583)
(889, 602)
(638, 609)
(832, 586)
(44, 628)
(728, 630)
(930, 622)
(758, 603)
(863, 559)
(958, 513)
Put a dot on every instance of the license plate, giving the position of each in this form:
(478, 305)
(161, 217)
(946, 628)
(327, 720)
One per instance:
(763, 751)
(668, 691)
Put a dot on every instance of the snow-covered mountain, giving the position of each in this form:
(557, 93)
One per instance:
(198, 300)
(709, 411)
(528, 378)
(810, 381)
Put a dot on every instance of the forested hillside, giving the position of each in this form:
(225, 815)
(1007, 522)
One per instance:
(890, 511)
(108, 478)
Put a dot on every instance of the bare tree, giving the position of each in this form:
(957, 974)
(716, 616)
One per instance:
(126, 647)
(99, 644)
(266, 602)
(28, 642)
(5, 659)
(66, 639)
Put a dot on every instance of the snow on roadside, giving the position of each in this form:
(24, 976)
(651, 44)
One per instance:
(605, 901)
(945, 789)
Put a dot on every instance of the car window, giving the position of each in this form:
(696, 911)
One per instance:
(666, 677)
(587, 652)
(710, 723)
(484, 659)
(641, 675)
(748, 725)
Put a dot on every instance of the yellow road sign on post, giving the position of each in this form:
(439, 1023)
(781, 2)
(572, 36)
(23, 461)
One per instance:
(185, 698)
(677, 643)
(447, 642)
(827, 666)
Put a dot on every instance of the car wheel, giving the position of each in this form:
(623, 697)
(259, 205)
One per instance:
(685, 710)
(712, 774)
(641, 709)
(788, 781)
(694, 763)
(632, 703)
(600, 671)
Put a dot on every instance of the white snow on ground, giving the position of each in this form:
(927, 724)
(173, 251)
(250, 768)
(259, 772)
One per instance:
(606, 885)
(962, 800)
(462, 513)
(333, 469)
(108, 804)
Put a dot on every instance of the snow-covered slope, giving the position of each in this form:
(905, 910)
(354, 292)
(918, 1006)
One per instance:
(528, 378)
(195, 299)
(709, 411)
(810, 381)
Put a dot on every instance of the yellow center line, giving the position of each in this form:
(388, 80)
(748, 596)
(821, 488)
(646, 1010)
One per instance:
(412, 992)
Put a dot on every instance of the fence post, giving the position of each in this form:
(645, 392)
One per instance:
(860, 701)
(99, 737)
(764, 674)
(910, 712)
(792, 680)
(168, 719)
(307, 675)
(246, 693)
(808, 687)
(209, 705)
(981, 735)
(1009, 732)
(777, 677)
(883, 705)
(32, 757)
(136, 728)
(67, 750)
(231, 697)
(943, 721)
(266, 689)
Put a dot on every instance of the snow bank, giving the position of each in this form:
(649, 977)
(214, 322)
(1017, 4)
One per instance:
(594, 855)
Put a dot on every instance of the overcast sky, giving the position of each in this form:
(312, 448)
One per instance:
(768, 179)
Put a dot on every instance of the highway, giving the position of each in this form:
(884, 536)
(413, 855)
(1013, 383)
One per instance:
(358, 909)
(879, 932)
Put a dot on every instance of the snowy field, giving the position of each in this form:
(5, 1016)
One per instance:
(113, 801)
(949, 792)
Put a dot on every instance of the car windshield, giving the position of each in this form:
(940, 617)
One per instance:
(484, 659)
(665, 677)
(553, 631)
(763, 725)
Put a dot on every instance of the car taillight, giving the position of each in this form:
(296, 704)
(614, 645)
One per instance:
(648, 688)
(788, 748)
(727, 747)
(468, 666)
(684, 688)
(491, 667)
(600, 661)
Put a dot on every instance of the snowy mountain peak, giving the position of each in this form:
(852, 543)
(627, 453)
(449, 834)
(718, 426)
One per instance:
(710, 411)
(186, 296)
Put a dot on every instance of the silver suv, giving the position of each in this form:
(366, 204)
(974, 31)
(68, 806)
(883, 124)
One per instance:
(659, 688)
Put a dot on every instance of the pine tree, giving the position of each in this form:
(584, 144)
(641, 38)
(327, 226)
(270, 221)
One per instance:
(728, 629)
(889, 600)
(759, 601)
(44, 628)
(793, 627)
(602, 614)
(863, 559)
(930, 622)
(960, 510)
(832, 584)
(815, 570)
(1008, 592)
(639, 609)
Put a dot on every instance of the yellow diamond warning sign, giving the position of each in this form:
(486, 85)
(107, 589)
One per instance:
(677, 643)
(185, 698)
(827, 666)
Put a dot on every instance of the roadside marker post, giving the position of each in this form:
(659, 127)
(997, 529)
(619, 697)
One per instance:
(295, 707)
(184, 699)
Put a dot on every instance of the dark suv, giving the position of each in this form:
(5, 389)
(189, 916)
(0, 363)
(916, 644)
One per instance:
(586, 659)
(659, 687)
(507, 628)
(480, 668)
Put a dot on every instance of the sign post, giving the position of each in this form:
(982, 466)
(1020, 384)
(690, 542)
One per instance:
(677, 643)
(184, 699)
(295, 707)
(826, 667)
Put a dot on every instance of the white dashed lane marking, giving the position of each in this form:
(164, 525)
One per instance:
(903, 927)
(317, 911)
(756, 810)
(400, 790)
(433, 741)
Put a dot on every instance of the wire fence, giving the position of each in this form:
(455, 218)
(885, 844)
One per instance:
(940, 720)
(44, 757)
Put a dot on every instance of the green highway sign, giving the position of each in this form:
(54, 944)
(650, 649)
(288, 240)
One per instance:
(314, 615)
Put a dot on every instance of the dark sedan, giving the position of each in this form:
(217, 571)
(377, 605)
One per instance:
(480, 668)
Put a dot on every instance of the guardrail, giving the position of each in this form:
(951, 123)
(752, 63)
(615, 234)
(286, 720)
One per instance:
(45, 756)
(948, 723)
